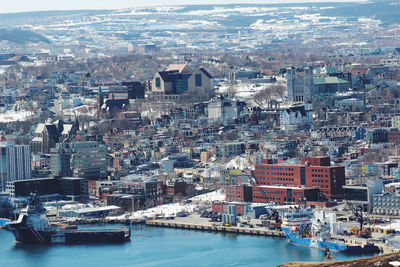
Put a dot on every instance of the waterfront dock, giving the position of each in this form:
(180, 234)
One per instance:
(215, 228)
(385, 249)
(353, 240)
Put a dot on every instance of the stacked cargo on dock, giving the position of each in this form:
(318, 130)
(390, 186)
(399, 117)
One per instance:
(242, 208)
(231, 216)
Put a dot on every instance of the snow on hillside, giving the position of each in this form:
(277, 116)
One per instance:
(11, 116)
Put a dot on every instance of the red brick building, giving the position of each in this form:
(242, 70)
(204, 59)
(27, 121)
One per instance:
(289, 180)
(222, 207)
(176, 187)
(283, 194)
(394, 137)
(238, 193)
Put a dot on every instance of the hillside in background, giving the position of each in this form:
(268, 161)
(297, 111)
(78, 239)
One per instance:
(388, 11)
(21, 37)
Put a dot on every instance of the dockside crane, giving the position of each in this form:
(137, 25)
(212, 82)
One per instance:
(359, 214)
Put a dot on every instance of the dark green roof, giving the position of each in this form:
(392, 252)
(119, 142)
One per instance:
(328, 80)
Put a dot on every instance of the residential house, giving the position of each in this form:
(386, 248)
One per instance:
(296, 116)
(224, 108)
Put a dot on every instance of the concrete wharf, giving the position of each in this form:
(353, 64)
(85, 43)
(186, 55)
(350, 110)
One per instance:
(216, 228)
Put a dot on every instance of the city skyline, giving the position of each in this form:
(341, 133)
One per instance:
(200, 132)
(45, 5)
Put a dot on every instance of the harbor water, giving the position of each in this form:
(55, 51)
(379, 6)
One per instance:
(153, 246)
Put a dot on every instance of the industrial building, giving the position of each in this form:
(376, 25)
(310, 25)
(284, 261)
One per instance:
(290, 182)
(69, 188)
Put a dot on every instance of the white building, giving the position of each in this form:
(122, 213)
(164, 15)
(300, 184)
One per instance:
(297, 116)
(15, 162)
(224, 108)
(396, 122)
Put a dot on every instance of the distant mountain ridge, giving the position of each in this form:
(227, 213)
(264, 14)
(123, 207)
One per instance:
(21, 36)
(388, 11)
(51, 13)
(226, 18)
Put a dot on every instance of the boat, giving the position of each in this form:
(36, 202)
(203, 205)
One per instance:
(302, 228)
(32, 227)
(3, 222)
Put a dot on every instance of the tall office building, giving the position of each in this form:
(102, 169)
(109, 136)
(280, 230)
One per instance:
(80, 159)
(15, 162)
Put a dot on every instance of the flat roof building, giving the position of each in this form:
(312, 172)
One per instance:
(314, 172)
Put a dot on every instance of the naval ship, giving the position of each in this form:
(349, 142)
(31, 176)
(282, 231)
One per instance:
(32, 227)
(302, 228)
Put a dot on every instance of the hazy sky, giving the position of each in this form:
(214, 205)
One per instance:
(36, 5)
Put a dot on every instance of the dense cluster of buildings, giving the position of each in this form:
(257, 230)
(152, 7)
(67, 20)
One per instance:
(159, 124)
(136, 145)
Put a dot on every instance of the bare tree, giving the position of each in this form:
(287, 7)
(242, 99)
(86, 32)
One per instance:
(263, 96)
(232, 91)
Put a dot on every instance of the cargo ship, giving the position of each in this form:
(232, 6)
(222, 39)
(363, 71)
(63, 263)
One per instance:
(301, 228)
(32, 227)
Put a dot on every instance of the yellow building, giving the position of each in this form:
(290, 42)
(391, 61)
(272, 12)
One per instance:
(205, 156)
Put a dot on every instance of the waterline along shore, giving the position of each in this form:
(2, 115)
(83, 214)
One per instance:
(196, 223)
(381, 260)
(385, 249)
(215, 228)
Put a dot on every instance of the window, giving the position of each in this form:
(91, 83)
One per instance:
(198, 80)
(158, 82)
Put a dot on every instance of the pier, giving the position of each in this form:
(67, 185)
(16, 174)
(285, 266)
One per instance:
(385, 249)
(216, 228)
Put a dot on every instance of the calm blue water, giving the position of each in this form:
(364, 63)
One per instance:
(162, 247)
